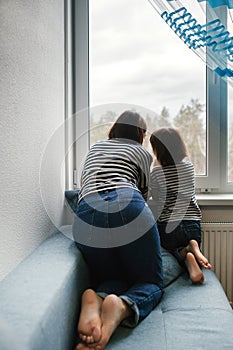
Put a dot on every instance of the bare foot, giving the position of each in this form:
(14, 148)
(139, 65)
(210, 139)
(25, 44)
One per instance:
(89, 325)
(194, 248)
(195, 273)
(82, 346)
(114, 311)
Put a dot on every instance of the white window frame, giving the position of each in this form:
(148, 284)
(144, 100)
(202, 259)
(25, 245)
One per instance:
(77, 88)
(215, 180)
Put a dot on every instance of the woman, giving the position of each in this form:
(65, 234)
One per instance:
(117, 234)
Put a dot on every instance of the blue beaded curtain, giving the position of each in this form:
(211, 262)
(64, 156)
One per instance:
(199, 36)
(217, 3)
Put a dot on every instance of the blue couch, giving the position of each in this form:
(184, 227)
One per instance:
(40, 303)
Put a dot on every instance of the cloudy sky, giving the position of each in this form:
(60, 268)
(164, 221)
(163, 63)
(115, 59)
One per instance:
(135, 58)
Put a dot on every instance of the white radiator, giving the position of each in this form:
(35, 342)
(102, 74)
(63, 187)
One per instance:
(217, 246)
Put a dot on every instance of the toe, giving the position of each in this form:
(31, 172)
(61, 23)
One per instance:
(83, 337)
(89, 339)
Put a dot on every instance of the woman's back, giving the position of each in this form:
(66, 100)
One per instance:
(115, 163)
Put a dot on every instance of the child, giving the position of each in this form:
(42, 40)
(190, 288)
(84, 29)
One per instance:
(173, 189)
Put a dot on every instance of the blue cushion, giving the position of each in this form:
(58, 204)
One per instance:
(40, 299)
(171, 268)
(71, 198)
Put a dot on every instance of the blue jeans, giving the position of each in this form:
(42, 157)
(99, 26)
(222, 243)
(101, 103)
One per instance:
(126, 259)
(183, 232)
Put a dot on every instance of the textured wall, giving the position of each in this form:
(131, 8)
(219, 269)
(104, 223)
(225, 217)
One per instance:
(32, 107)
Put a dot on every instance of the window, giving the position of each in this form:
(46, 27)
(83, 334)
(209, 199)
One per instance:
(136, 61)
(230, 114)
(230, 135)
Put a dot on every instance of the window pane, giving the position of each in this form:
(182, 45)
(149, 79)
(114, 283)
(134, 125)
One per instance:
(230, 111)
(137, 60)
(230, 134)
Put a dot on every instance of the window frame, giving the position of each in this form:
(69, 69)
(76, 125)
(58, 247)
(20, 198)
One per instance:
(76, 88)
(217, 129)
(215, 180)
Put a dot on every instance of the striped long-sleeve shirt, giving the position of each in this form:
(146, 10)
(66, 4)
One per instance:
(173, 190)
(116, 163)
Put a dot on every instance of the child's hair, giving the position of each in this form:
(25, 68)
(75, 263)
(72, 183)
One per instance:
(168, 146)
(129, 125)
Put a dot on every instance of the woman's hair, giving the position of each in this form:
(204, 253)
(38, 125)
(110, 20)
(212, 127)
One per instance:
(168, 146)
(129, 125)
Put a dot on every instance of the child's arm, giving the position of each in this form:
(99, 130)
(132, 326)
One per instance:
(156, 162)
(154, 185)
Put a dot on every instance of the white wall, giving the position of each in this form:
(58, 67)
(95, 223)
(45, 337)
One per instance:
(32, 107)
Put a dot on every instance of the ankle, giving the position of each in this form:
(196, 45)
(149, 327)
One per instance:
(121, 308)
(183, 252)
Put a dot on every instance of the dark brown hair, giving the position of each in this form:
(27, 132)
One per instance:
(168, 146)
(129, 125)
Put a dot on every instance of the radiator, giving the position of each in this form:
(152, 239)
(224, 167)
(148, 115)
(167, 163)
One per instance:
(217, 246)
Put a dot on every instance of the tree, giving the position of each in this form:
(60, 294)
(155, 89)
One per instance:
(99, 127)
(189, 121)
(190, 124)
(164, 119)
(156, 121)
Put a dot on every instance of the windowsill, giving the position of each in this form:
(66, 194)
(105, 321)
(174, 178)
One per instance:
(210, 199)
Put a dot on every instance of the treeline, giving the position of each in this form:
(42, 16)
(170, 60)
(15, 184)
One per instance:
(190, 122)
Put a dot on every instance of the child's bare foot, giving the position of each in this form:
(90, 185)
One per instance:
(195, 273)
(89, 325)
(114, 311)
(82, 346)
(194, 248)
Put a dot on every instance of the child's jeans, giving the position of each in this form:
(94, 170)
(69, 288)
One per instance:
(179, 237)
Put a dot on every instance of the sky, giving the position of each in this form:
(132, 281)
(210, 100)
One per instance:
(136, 59)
